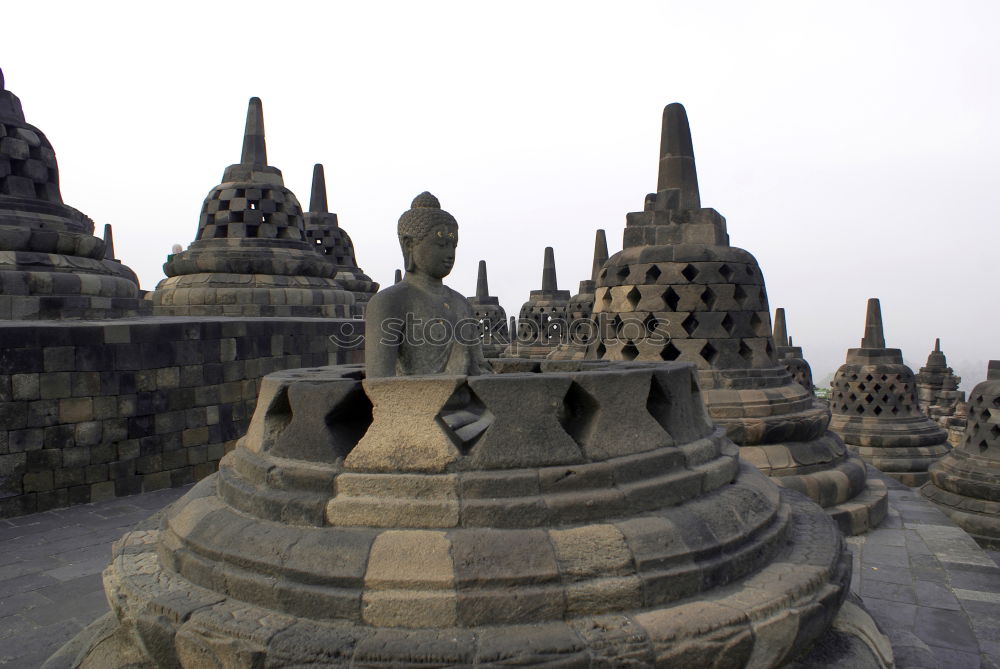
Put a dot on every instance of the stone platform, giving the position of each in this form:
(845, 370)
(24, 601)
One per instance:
(934, 593)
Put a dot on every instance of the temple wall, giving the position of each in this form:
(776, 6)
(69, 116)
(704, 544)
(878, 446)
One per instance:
(93, 410)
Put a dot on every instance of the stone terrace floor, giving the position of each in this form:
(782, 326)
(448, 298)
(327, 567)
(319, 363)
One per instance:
(933, 591)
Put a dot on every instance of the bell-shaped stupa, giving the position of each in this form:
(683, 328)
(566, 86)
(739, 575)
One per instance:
(875, 409)
(51, 264)
(541, 323)
(679, 292)
(937, 388)
(250, 257)
(491, 316)
(965, 484)
(323, 231)
(788, 355)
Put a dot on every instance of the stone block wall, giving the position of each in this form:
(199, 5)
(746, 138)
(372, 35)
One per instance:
(92, 410)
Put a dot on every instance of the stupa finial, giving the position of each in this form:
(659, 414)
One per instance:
(600, 254)
(482, 285)
(254, 147)
(109, 242)
(937, 344)
(780, 335)
(677, 168)
(874, 336)
(1, 80)
(317, 198)
(549, 271)
(398, 276)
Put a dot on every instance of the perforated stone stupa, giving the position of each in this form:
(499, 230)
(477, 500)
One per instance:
(491, 316)
(251, 257)
(678, 292)
(790, 356)
(329, 239)
(875, 408)
(937, 388)
(579, 311)
(541, 323)
(966, 482)
(51, 265)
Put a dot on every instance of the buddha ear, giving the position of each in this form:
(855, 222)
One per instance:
(406, 243)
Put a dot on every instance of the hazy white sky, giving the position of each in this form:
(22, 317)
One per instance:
(853, 146)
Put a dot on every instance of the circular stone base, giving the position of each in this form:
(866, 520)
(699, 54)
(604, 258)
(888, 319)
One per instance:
(966, 486)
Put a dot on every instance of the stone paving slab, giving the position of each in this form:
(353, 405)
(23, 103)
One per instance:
(926, 582)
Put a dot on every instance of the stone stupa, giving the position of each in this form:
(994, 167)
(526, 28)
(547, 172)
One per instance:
(541, 323)
(332, 241)
(52, 266)
(679, 292)
(965, 484)
(250, 257)
(580, 309)
(937, 388)
(587, 515)
(788, 354)
(491, 316)
(875, 408)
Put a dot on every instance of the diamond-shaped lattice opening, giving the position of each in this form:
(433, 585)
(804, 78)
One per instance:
(854, 377)
(622, 272)
(739, 294)
(979, 400)
(885, 398)
(983, 446)
(895, 410)
(690, 324)
(671, 298)
(755, 323)
(708, 297)
(629, 351)
(843, 407)
(726, 271)
(633, 296)
(909, 407)
(617, 323)
(606, 298)
(727, 324)
(985, 415)
(709, 352)
(860, 409)
(670, 352)
(878, 386)
(651, 324)
(995, 431)
(996, 401)
(906, 386)
(892, 387)
(652, 274)
(601, 350)
(690, 272)
(465, 418)
(877, 410)
(749, 270)
(869, 378)
(861, 386)
(869, 399)
(603, 274)
(884, 377)
(768, 348)
(745, 351)
(578, 413)
(854, 398)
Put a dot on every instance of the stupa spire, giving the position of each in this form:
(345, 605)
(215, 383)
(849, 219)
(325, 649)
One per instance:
(254, 147)
(677, 168)
(600, 254)
(109, 242)
(482, 285)
(549, 271)
(780, 330)
(317, 198)
(398, 276)
(937, 344)
(874, 336)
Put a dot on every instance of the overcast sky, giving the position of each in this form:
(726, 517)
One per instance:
(853, 146)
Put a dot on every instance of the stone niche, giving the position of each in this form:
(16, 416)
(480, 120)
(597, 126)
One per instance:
(555, 514)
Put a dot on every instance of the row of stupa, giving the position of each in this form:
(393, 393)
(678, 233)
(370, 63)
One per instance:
(256, 252)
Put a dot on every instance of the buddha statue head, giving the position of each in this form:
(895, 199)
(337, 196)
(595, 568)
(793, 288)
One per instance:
(428, 236)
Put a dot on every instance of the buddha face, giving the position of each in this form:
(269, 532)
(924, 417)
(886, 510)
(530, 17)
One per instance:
(434, 254)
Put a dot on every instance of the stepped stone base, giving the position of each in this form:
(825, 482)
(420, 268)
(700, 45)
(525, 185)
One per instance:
(967, 488)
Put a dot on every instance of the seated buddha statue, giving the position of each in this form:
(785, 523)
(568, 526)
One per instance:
(420, 325)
